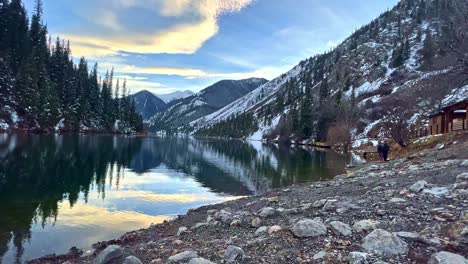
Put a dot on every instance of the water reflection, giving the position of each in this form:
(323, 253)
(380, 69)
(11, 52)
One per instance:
(63, 191)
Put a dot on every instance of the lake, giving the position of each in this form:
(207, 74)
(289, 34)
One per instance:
(71, 190)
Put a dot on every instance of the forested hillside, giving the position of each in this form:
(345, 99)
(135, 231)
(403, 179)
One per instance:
(402, 66)
(41, 89)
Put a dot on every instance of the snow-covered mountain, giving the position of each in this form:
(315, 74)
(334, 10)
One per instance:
(147, 104)
(409, 57)
(181, 112)
(175, 95)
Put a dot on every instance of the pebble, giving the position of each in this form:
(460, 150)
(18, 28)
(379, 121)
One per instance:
(357, 258)
(256, 222)
(418, 186)
(274, 229)
(261, 230)
(200, 261)
(181, 230)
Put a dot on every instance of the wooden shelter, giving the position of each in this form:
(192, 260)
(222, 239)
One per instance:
(451, 118)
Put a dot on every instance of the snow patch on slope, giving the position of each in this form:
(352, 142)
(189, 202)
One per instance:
(265, 129)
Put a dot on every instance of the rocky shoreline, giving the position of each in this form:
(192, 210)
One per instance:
(411, 210)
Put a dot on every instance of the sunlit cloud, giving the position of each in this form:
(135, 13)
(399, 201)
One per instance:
(197, 22)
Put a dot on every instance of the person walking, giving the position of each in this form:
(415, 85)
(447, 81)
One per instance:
(385, 150)
(380, 150)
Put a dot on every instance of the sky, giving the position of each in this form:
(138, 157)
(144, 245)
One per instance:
(174, 45)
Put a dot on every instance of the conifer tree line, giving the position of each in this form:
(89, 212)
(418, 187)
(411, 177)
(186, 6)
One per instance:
(44, 87)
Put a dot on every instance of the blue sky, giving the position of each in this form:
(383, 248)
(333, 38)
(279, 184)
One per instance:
(169, 45)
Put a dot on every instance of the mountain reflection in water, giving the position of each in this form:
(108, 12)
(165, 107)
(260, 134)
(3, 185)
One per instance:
(62, 191)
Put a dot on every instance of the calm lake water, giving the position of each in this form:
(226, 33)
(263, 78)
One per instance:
(62, 191)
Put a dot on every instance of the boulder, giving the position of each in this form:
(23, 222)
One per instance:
(132, 260)
(309, 228)
(340, 228)
(233, 253)
(182, 257)
(267, 212)
(357, 258)
(445, 257)
(382, 242)
(200, 261)
(110, 253)
(365, 225)
(418, 186)
(464, 163)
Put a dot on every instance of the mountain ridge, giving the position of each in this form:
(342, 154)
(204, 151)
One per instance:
(182, 111)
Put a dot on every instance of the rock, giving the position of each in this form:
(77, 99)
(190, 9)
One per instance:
(274, 229)
(418, 186)
(319, 203)
(320, 255)
(256, 222)
(132, 260)
(408, 235)
(445, 257)
(182, 230)
(357, 258)
(267, 211)
(330, 205)
(211, 212)
(198, 225)
(261, 230)
(397, 200)
(236, 222)
(462, 177)
(177, 242)
(309, 228)
(156, 261)
(183, 257)
(464, 163)
(273, 199)
(340, 228)
(365, 225)
(464, 217)
(110, 253)
(382, 242)
(224, 216)
(200, 261)
(233, 253)
(440, 146)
